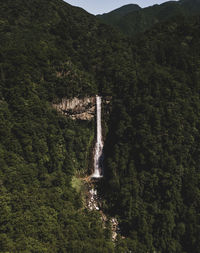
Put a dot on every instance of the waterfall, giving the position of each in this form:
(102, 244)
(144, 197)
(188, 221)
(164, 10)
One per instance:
(99, 143)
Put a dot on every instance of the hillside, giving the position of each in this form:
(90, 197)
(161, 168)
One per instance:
(152, 153)
(136, 22)
(51, 52)
(114, 17)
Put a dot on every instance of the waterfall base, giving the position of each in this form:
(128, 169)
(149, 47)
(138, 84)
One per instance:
(96, 174)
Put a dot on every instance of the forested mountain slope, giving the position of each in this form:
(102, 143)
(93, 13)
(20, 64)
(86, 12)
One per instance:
(50, 50)
(152, 180)
(114, 17)
(138, 21)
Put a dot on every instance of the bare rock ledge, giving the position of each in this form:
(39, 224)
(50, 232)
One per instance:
(77, 108)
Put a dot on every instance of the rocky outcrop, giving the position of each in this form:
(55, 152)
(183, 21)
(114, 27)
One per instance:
(77, 108)
(80, 108)
(93, 200)
(94, 203)
(114, 228)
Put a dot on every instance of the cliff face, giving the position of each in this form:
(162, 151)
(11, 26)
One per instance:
(83, 109)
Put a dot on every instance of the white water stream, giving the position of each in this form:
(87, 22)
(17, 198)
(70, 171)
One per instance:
(98, 173)
(94, 202)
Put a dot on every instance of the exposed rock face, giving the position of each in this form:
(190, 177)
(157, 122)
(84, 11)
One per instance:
(114, 228)
(83, 109)
(80, 108)
(94, 204)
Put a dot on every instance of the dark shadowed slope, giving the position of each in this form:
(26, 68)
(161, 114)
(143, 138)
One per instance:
(114, 17)
(152, 153)
(136, 22)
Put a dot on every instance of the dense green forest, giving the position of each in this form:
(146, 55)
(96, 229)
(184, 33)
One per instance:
(152, 151)
(50, 50)
(133, 20)
(41, 151)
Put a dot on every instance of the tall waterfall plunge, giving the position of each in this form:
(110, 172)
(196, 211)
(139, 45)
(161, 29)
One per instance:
(98, 173)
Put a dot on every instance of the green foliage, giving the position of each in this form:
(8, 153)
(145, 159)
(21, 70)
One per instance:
(152, 153)
(44, 53)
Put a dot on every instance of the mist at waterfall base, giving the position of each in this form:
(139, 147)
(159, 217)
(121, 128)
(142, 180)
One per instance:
(98, 154)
